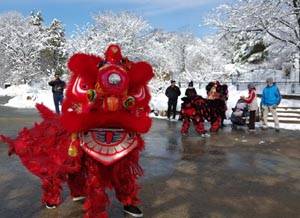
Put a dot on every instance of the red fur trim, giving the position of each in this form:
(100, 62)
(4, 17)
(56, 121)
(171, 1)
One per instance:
(46, 113)
(140, 74)
(52, 190)
(85, 65)
(43, 149)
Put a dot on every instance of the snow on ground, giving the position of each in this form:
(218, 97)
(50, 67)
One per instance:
(24, 96)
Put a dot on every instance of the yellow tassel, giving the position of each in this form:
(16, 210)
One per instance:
(72, 151)
(74, 136)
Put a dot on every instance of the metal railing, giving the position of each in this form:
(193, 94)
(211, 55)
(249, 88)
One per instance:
(286, 88)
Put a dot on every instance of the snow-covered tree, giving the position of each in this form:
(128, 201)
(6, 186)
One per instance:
(54, 56)
(83, 40)
(161, 49)
(20, 46)
(129, 30)
(177, 46)
(276, 20)
(126, 29)
(205, 60)
(173, 55)
(36, 19)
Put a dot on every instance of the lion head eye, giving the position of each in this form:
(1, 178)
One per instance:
(114, 79)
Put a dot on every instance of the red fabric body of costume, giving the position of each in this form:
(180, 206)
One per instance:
(109, 100)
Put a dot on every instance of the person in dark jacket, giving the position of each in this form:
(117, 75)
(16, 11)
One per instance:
(172, 92)
(187, 109)
(58, 87)
(190, 91)
(223, 96)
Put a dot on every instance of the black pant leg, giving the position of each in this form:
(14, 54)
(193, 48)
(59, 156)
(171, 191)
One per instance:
(169, 108)
(252, 120)
(174, 108)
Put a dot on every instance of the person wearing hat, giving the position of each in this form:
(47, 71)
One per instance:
(58, 87)
(190, 91)
(251, 101)
(188, 111)
(172, 92)
(270, 99)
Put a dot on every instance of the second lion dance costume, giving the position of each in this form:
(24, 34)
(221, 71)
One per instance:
(197, 109)
(95, 143)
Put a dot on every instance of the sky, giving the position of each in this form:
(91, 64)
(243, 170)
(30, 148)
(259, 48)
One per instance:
(169, 15)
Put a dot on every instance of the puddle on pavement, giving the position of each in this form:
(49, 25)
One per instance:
(263, 163)
(277, 164)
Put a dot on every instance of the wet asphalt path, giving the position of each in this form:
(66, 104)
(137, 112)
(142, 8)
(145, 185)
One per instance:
(232, 174)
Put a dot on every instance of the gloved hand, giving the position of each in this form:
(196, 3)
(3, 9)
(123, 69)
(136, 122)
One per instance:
(274, 106)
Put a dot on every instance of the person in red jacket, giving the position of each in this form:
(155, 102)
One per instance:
(251, 101)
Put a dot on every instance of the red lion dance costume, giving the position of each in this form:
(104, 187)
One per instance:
(96, 142)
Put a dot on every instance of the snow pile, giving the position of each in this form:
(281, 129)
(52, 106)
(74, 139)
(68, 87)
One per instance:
(25, 96)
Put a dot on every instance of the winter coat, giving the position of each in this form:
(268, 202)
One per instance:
(251, 100)
(190, 92)
(57, 86)
(172, 92)
(187, 107)
(270, 96)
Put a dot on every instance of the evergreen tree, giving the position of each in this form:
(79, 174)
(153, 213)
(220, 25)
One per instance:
(54, 56)
(20, 46)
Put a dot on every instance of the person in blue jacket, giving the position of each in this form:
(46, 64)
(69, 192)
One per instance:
(270, 99)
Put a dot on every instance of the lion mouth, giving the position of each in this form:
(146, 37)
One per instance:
(107, 145)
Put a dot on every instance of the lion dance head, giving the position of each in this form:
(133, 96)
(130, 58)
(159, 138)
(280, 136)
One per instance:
(108, 101)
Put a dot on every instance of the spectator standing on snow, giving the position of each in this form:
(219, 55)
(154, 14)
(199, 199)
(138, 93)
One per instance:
(251, 101)
(224, 97)
(172, 92)
(58, 87)
(270, 99)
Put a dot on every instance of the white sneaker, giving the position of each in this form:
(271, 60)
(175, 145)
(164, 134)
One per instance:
(133, 211)
(50, 206)
(205, 135)
(78, 198)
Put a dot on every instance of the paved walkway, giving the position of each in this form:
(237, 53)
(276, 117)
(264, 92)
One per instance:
(232, 174)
